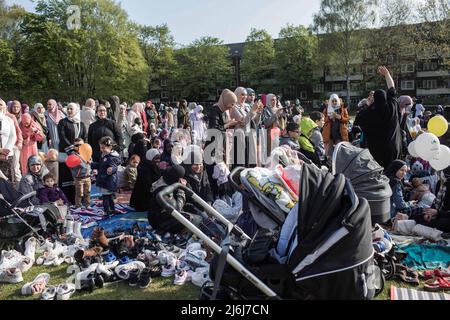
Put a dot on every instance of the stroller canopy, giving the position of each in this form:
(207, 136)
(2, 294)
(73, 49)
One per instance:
(366, 176)
(334, 231)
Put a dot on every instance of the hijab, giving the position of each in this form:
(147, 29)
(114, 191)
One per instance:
(197, 114)
(53, 112)
(152, 153)
(269, 98)
(391, 171)
(37, 160)
(76, 110)
(173, 174)
(332, 109)
(226, 98)
(28, 126)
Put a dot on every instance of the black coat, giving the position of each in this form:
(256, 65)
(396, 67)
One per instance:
(148, 173)
(200, 186)
(66, 132)
(103, 128)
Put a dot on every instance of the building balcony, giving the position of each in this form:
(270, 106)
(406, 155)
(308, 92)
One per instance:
(429, 74)
(437, 91)
(353, 77)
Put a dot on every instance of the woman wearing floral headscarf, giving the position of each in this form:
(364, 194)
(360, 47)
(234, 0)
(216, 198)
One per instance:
(54, 116)
(31, 134)
(38, 115)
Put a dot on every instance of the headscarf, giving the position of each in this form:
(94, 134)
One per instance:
(226, 98)
(391, 171)
(240, 91)
(403, 101)
(28, 126)
(25, 107)
(164, 134)
(250, 91)
(53, 112)
(380, 99)
(39, 116)
(152, 153)
(17, 115)
(197, 115)
(37, 160)
(173, 174)
(269, 98)
(3, 110)
(332, 109)
(76, 109)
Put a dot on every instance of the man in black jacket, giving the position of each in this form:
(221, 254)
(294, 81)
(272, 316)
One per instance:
(103, 127)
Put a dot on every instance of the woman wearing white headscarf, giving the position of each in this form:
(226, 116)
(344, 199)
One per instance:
(69, 129)
(198, 125)
(335, 129)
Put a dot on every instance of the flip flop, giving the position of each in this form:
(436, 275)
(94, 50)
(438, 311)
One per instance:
(37, 286)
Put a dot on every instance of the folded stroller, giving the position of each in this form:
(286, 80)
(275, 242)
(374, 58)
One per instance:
(366, 177)
(323, 246)
(19, 219)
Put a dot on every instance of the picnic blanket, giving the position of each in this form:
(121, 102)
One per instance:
(426, 257)
(399, 294)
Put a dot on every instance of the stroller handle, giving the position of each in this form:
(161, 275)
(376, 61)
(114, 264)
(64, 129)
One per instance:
(20, 200)
(208, 209)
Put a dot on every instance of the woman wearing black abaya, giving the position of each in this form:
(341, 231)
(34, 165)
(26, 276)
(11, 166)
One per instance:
(380, 124)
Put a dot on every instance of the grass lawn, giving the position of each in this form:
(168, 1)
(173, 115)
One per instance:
(160, 288)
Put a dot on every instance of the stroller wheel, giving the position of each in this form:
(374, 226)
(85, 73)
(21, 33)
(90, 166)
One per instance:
(380, 287)
(389, 269)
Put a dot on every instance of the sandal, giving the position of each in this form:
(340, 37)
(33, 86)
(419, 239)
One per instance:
(407, 275)
(37, 286)
(437, 284)
(440, 273)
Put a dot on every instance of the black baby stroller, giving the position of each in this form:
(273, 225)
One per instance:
(19, 219)
(326, 239)
(366, 176)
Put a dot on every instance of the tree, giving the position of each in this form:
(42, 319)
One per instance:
(392, 42)
(100, 58)
(432, 34)
(9, 75)
(340, 23)
(158, 49)
(294, 57)
(258, 61)
(203, 66)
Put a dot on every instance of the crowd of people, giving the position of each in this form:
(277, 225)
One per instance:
(166, 145)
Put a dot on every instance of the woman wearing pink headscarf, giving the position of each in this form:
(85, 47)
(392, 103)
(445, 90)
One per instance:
(31, 134)
(54, 116)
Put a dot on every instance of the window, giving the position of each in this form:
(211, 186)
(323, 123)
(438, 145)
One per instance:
(164, 95)
(233, 84)
(318, 88)
(355, 86)
(370, 85)
(408, 68)
(429, 66)
(233, 70)
(355, 70)
(429, 84)
(337, 87)
(164, 83)
(408, 85)
(390, 59)
(303, 95)
(370, 70)
(369, 55)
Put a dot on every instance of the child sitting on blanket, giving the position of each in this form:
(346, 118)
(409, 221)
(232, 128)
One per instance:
(51, 193)
(421, 193)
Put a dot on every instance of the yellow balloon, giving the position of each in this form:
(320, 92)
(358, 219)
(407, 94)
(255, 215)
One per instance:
(438, 126)
(86, 152)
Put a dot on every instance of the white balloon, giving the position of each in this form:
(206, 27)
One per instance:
(441, 161)
(412, 150)
(427, 146)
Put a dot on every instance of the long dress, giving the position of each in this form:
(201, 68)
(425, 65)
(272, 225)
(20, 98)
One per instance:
(53, 136)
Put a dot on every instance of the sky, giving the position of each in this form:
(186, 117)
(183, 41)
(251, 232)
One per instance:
(228, 20)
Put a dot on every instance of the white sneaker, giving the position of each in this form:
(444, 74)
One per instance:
(12, 276)
(194, 246)
(25, 264)
(37, 286)
(169, 270)
(49, 293)
(123, 271)
(84, 275)
(182, 277)
(183, 265)
(65, 291)
(30, 248)
(200, 277)
(197, 258)
(77, 230)
(165, 257)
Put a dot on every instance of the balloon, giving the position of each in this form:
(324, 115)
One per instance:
(427, 146)
(86, 152)
(412, 150)
(438, 125)
(441, 160)
(73, 161)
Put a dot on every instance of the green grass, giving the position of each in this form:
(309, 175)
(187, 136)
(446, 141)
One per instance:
(159, 289)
